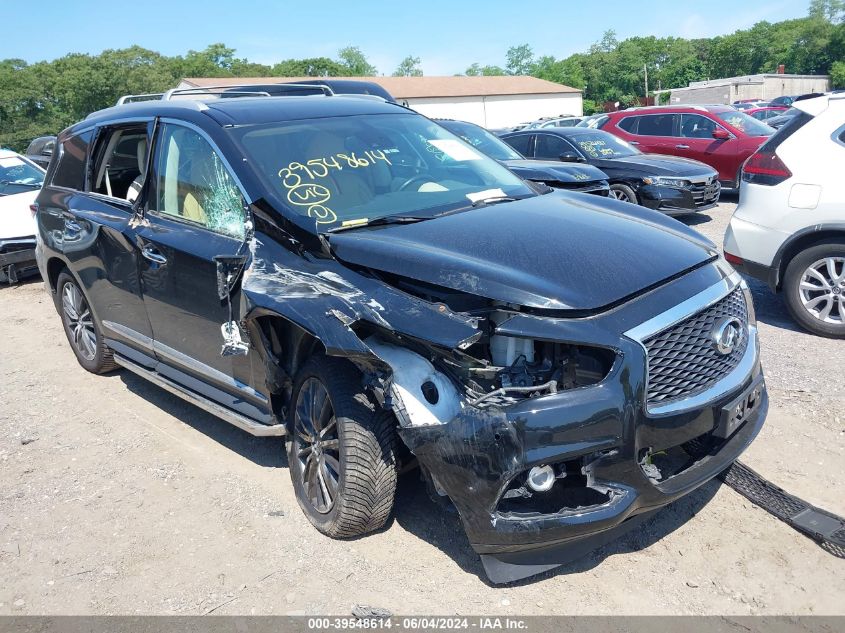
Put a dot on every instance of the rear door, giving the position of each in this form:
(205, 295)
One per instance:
(656, 133)
(90, 226)
(195, 211)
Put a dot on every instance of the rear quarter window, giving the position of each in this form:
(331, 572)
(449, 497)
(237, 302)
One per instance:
(629, 124)
(70, 170)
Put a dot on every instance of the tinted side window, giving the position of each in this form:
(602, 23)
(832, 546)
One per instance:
(629, 124)
(549, 146)
(697, 126)
(657, 125)
(519, 143)
(194, 184)
(70, 172)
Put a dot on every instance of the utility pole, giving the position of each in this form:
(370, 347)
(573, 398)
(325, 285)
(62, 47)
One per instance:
(645, 70)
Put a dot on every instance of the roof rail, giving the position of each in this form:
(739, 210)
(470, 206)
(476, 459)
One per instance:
(150, 96)
(242, 90)
(234, 90)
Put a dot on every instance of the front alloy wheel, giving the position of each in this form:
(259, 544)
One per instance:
(623, 193)
(317, 445)
(341, 451)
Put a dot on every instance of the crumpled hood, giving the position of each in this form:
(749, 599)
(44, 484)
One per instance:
(556, 251)
(15, 217)
(550, 170)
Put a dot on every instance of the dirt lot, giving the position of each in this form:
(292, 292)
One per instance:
(118, 498)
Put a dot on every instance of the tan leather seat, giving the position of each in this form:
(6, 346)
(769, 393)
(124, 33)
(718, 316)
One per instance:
(135, 187)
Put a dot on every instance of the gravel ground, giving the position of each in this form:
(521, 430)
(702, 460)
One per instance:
(118, 498)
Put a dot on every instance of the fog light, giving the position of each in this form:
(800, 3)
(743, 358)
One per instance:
(541, 478)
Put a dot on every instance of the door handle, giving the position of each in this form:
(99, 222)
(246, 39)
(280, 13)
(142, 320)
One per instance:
(152, 254)
(633, 142)
(681, 146)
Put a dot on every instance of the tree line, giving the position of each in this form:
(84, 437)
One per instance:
(44, 97)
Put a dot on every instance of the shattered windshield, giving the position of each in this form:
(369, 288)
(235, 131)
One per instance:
(350, 170)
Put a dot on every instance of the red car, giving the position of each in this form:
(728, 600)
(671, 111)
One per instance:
(766, 112)
(719, 136)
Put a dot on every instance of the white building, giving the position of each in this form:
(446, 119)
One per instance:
(493, 102)
(764, 87)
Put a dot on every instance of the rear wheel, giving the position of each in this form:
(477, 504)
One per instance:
(341, 452)
(623, 193)
(81, 328)
(814, 285)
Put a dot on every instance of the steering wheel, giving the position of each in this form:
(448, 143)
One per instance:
(421, 178)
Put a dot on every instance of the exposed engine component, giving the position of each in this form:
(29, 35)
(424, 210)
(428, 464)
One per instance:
(421, 394)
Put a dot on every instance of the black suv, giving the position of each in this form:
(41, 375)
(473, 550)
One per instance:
(348, 273)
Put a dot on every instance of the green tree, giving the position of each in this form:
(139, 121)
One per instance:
(355, 62)
(476, 70)
(830, 10)
(312, 67)
(520, 59)
(837, 75)
(409, 67)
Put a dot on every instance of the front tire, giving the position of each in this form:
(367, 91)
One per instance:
(81, 327)
(342, 452)
(623, 193)
(814, 286)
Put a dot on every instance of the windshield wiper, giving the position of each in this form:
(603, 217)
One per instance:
(6, 183)
(383, 221)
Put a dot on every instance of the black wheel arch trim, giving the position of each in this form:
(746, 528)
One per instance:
(799, 241)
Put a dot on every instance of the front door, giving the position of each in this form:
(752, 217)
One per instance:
(696, 141)
(195, 211)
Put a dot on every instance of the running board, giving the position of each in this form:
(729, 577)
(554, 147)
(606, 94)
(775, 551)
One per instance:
(236, 419)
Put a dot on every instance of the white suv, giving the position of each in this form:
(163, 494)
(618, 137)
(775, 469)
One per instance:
(789, 227)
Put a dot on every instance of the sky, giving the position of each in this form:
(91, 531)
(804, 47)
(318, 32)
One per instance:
(448, 36)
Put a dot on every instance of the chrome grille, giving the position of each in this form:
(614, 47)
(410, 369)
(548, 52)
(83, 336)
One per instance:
(705, 192)
(683, 360)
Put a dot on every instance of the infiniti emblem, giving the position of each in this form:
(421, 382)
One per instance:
(727, 335)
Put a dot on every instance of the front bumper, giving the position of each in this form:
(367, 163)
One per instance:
(679, 201)
(17, 259)
(477, 456)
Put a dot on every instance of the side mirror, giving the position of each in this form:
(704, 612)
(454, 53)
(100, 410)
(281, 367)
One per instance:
(720, 134)
(570, 157)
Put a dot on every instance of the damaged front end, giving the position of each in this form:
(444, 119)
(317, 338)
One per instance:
(538, 427)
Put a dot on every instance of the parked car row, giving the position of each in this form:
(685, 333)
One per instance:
(353, 275)
(675, 186)
(719, 136)
(20, 181)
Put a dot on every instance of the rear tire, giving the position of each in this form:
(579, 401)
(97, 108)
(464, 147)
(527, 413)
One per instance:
(623, 193)
(814, 288)
(341, 452)
(81, 327)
